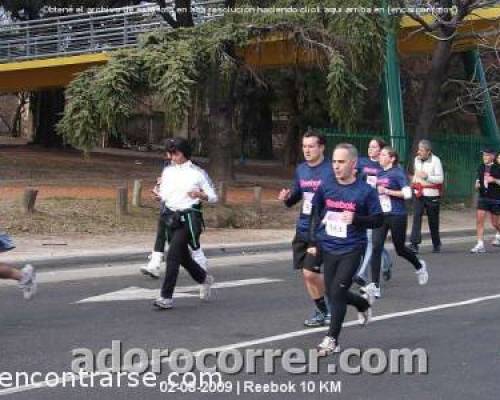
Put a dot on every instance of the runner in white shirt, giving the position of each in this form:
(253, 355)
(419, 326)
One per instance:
(152, 268)
(183, 187)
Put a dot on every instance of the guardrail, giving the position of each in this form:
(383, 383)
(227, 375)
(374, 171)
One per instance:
(89, 32)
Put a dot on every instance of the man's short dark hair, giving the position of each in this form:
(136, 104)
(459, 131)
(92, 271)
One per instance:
(312, 133)
(179, 144)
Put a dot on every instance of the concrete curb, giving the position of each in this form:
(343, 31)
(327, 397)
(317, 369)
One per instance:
(212, 251)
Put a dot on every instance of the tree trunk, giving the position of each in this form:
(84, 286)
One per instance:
(183, 13)
(432, 88)
(292, 142)
(16, 119)
(264, 132)
(221, 134)
(220, 149)
(48, 108)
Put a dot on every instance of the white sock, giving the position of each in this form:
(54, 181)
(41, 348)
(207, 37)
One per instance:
(480, 243)
(199, 257)
(24, 277)
(156, 256)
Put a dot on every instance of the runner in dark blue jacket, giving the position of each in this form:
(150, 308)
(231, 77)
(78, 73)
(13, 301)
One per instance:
(393, 190)
(309, 176)
(368, 169)
(343, 209)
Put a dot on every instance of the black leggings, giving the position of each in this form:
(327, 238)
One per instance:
(339, 271)
(397, 225)
(178, 254)
(161, 236)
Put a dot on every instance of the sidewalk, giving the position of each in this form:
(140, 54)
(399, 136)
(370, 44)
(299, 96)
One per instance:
(75, 249)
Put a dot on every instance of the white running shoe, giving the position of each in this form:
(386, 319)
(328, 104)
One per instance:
(496, 241)
(422, 274)
(28, 282)
(163, 303)
(478, 248)
(152, 268)
(327, 346)
(206, 288)
(371, 292)
(199, 257)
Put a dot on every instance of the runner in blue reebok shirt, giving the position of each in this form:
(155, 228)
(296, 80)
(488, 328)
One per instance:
(309, 176)
(342, 211)
(393, 189)
(368, 168)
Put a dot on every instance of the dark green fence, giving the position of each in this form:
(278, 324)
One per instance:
(460, 154)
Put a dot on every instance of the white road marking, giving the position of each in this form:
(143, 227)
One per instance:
(137, 293)
(77, 274)
(284, 336)
(122, 269)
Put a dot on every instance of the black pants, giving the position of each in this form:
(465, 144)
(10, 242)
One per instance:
(161, 236)
(187, 234)
(429, 205)
(397, 225)
(339, 270)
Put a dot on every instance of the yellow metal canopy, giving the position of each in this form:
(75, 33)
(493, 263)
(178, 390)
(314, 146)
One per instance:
(271, 52)
(46, 73)
(482, 22)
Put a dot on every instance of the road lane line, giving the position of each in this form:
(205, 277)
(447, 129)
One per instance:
(285, 336)
(138, 293)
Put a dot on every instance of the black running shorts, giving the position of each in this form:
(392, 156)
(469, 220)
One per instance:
(302, 259)
(490, 205)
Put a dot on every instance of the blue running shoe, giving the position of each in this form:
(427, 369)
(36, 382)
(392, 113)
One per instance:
(318, 319)
(6, 243)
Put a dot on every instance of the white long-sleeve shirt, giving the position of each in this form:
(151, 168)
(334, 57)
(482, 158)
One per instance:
(177, 180)
(435, 175)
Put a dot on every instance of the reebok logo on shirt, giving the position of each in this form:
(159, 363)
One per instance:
(310, 184)
(344, 205)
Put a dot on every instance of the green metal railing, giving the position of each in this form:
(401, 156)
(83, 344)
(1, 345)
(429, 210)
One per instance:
(460, 155)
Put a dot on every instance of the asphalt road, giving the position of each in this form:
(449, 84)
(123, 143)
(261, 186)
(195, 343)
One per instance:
(261, 305)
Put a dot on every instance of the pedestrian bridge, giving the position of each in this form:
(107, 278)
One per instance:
(47, 53)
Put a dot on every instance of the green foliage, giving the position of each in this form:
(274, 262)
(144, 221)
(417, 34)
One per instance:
(99, 99)
(115, 89)
(346, 93)
(172, 72)
(360, 65)
(80, 122)
(173, 64)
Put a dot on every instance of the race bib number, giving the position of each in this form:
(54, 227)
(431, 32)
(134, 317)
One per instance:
(307, 203)
(334, 225)
(371, 180)
(385, 203)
